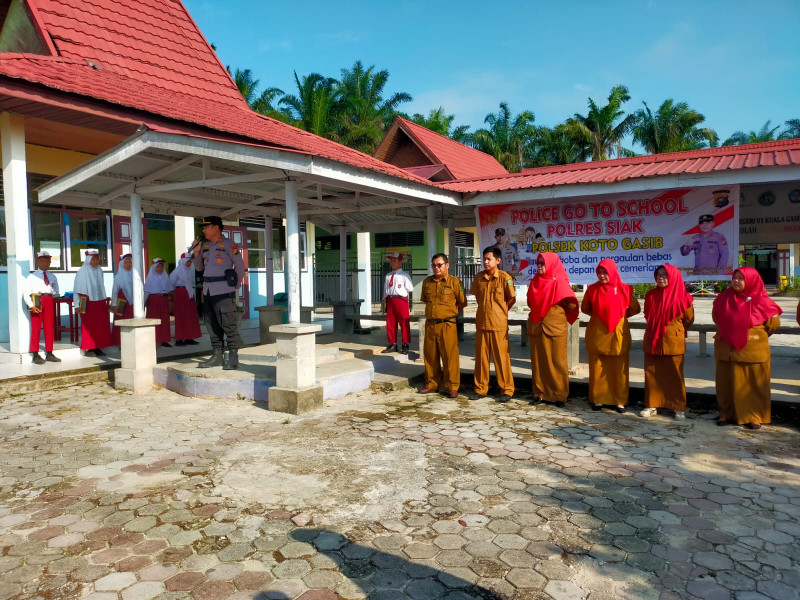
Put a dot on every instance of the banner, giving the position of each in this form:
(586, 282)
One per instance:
(695, 229)
(770, 214)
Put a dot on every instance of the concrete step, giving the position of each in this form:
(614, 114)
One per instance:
(50, 381)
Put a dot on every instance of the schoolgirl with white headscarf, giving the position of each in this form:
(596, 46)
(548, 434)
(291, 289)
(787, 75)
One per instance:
(122, 288)
(95, 330)
(187, 323)
(157, 300)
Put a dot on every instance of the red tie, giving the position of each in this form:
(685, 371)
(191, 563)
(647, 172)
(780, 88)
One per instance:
(391, 280)
(46, 280)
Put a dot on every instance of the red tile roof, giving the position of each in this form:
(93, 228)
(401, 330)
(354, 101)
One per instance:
(149, 55)
(727, 158)
(462, 161)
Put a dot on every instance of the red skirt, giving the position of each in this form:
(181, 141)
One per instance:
(158, 308)
(187, 323)
(127, 314)
(95, 330)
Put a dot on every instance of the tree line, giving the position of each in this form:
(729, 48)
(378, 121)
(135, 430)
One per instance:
(356, 110)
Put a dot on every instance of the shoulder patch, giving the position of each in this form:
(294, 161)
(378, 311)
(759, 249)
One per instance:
(235, 249)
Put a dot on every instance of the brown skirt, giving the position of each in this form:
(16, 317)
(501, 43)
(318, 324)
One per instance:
(743, 392)
(550, 374)
(663, 382)
(608, 379)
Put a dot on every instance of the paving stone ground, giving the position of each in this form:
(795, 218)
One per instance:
(110, 496)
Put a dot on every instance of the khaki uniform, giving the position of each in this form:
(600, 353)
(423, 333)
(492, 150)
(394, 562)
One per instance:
(664, 385)
(443, 298)
(218, 297)
(491, 324)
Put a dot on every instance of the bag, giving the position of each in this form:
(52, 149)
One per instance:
(383, 305)
(231, 278)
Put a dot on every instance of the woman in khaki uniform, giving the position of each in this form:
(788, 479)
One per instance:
(669, 313)
(609, 303)
(745, 318)
(553, 308)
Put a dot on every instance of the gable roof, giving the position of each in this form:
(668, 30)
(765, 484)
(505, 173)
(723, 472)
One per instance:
(149, 55)
(462, 161)
(726, 158)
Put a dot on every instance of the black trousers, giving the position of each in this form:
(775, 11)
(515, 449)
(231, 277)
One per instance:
(222, 321)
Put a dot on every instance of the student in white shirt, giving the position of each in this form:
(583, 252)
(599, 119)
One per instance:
(42, 282)
(396, 290)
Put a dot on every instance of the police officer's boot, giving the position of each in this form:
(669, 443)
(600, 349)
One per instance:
(231, 361)
(214, 361)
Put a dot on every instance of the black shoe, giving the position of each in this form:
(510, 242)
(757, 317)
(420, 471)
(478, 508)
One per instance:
(404, 349)
(50, 357)
(166, 345)
(596, 407)
(231, 361)
(98, 352)
(560, 404)
(91, 353)
(389, 349)
(535, 400)
(191, 342)
(503, 399)
(37, 358)
(215, 360)
(475, 396)
(621, 409)
(179, 342)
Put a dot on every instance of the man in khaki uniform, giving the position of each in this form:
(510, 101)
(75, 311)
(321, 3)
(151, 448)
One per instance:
(494, 291)
(443, 296)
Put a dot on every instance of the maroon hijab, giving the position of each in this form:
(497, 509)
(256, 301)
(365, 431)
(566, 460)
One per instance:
(736, 312)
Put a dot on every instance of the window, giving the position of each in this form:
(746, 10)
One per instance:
(399, 238)
(256, 249)
(87, 230)
(47, 236)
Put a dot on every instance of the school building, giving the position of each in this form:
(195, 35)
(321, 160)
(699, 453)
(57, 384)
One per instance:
(121, 108)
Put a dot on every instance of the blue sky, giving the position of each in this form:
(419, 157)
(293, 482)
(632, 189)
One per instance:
(737, 62)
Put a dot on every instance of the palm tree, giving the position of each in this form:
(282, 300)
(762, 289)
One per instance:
(507, 139)
(673, 127)
(437, 120)
(792, 130)
(555, 146)
(243, 78)
(366, 113)
(317, 105)
(765, 134)
(264, 104)
(601, 130)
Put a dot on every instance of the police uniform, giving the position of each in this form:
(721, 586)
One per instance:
(493, 294)
(218, 296)
(710, 250)
(443, 298)
(510, 258)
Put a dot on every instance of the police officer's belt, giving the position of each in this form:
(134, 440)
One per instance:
(215, 279)
(437, 321)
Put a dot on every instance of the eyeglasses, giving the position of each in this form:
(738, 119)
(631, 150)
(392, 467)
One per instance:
(438, 265)
(662, 276)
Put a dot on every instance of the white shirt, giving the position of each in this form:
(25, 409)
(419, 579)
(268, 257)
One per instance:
(35, 285)
(398, 283)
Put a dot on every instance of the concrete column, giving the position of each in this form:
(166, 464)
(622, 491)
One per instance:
(292, 266)
(270, 262)
(20, 254)
(342, 263)
(184, 234)
(311, 250)
(450, 242)
(364, 272)
(574, 365)
(137, 253)
(138, 351)
(431, 235)
(295, 391)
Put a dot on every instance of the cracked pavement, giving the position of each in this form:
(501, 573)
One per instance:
(108, 496)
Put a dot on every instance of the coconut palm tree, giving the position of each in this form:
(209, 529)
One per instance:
(366, 113)
(507, 138)
(672, 128)
(603, 127)
(765, 134)
(792, 130)
(317, 105)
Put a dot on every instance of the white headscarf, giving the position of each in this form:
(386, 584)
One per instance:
(156, 283)
(89, 282)
(123, 280)
(183, 276)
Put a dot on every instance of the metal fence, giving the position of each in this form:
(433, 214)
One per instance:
(466, 269)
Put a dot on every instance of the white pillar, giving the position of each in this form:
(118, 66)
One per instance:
(431, 235)
(311, 251)
(364, 272)
(184, 234)
(20, 254)
(342, 263)
(292, 265)
(137, 253)
(450, 242)
(270, 262)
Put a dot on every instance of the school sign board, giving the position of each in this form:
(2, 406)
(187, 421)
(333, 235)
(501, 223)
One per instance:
(695, 229)
(770, 214)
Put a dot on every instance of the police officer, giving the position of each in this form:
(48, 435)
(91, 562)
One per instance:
(443, 296)
(510, 254)
(711, 255)
(218, 259)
